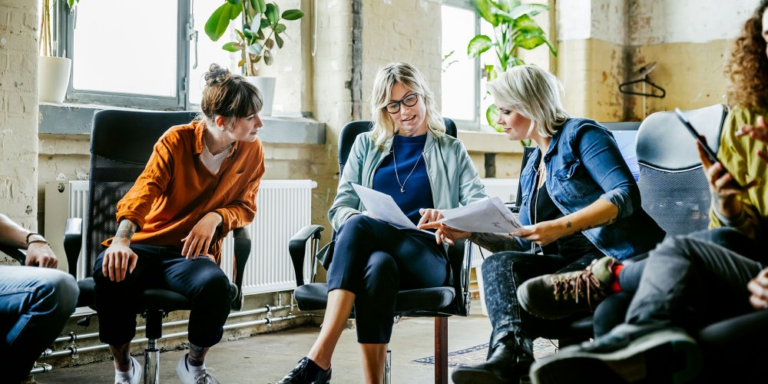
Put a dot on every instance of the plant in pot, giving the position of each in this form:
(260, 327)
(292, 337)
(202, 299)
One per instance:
(52, 71)
(260, 33)
(513, 29)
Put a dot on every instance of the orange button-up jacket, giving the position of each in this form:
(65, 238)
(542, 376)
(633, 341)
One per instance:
(176, 190)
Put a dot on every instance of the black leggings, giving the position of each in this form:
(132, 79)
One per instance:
(375, 260)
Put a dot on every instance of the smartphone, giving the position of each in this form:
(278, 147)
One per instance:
(711, 155)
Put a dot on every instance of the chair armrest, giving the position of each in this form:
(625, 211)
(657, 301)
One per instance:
(297, 248)
(73, 242)
(14, 252)
(461, 282)
(242, 254)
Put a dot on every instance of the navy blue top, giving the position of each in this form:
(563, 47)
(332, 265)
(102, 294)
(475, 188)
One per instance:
(407, 152)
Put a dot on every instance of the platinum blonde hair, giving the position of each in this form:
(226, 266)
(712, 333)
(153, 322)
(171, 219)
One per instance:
(410, 77)
(533, 93)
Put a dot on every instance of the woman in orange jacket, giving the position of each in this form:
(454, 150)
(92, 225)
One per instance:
(200, 183)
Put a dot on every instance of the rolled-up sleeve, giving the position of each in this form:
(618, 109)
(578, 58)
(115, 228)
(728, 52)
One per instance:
(605, 164)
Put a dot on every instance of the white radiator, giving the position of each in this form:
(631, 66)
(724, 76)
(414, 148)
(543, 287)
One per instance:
(283, 207)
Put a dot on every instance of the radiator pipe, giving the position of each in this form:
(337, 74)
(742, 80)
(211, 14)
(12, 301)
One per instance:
(72, 350)
(73, 337)
(40, 368)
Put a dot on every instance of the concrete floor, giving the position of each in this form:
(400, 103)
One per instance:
(266, 358)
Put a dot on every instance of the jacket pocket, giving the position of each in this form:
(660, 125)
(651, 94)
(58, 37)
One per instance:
(573, 179)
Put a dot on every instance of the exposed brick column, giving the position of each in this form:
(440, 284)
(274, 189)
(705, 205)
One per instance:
(18, 110)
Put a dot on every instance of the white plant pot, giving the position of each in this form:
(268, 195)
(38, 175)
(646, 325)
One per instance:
(53, 78)
(267, 87)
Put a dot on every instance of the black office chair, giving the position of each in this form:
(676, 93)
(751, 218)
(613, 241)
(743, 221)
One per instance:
(121, 144)
(439, 302)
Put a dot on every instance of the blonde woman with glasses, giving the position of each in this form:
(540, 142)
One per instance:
(408, 156)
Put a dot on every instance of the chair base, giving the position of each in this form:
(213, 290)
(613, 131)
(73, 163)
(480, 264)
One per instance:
(388, 368)
(152, 363)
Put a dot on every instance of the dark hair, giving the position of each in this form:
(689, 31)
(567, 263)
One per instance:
(229, 95)
(747, 67)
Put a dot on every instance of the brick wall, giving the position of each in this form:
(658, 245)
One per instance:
(18, 110)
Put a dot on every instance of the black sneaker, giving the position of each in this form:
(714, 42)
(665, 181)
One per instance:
(628, 354)
(307, 372)
(560, 295)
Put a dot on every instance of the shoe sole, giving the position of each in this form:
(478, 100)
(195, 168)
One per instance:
(475, 376)
(661, 356)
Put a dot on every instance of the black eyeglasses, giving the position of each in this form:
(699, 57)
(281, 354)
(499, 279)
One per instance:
(409, 101)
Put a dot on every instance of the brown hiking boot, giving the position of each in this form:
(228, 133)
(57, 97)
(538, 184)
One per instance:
(557, 296)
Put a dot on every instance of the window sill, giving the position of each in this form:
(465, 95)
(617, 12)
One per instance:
(75, 119)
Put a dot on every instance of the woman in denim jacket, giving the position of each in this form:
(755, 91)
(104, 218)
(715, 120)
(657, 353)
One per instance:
(408, 156)
(579, 203)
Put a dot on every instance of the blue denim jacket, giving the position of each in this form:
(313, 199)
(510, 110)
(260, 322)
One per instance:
(584, 164)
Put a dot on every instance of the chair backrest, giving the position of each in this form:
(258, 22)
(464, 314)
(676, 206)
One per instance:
(350, 131)
(121, 144)
(672, 185)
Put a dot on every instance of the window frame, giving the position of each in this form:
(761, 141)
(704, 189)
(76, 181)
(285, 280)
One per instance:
(65, 20)
(477, 123)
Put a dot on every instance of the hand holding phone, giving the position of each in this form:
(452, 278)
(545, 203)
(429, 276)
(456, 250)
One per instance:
(716, 175)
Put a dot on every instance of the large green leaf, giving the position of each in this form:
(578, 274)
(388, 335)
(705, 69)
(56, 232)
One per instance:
(272, 13)
(234, 2)
(280, 28)
(264, 23)
(293, 14)
(492, 116)
(262, 6)
(527, 9)
(527, 26)
(278, 40)
(529, 42)
(232, 47)
(219, 21)
(478, 45)
(483, 8)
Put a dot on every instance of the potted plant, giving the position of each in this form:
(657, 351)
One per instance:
(260, 33)
(52, 71)
(513, 29)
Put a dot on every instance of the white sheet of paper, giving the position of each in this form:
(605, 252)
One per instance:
(489, 216)
(383, 206)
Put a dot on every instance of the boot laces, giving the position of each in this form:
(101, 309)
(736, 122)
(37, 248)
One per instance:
(579, 284)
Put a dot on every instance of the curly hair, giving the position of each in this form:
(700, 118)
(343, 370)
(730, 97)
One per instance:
(747, 67)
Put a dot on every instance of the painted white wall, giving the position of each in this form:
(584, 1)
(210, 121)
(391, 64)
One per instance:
(687, 21)
(596, 19)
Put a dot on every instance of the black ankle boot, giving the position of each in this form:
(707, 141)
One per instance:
(508, 359)
(307, 372)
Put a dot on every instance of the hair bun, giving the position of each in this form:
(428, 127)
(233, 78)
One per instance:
(216, 75)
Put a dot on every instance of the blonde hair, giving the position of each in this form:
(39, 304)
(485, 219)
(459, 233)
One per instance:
(533, 93)
(411, 78)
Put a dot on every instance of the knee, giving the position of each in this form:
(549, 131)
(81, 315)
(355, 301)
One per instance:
(214, 282)
(356, 225)
(381, 273)
(58, 293)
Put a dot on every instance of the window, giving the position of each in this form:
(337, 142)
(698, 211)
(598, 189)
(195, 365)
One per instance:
(461, 74)
(152, 56)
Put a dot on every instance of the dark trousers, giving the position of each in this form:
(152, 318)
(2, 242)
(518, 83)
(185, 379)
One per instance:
(613, 310)
(35, 303)
(505, 271)
(200, 280)
(375, 260)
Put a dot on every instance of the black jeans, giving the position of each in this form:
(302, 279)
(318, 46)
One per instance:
(692, 282)
(200, 280)
(375, 260)
(613, 310)
(503, 272)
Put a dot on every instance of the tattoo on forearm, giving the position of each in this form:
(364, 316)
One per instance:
(495, 243)
(568, 224)
(197, 355)
(125, 230)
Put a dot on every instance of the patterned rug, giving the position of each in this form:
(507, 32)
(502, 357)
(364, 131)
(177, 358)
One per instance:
(476, 355)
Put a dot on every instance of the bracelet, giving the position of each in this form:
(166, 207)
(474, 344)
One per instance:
(33, 234)
(37, 241)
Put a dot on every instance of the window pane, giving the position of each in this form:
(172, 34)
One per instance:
(208, 51)
(126, 47)
(458, 69)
